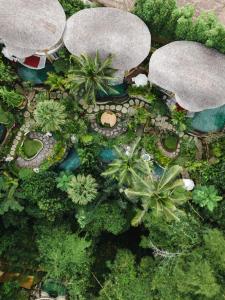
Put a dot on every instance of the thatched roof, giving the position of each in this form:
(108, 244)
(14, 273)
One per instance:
(110, 31)
(193, 72)
(27, 26)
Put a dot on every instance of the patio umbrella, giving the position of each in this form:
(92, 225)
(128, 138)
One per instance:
(193, 72)
(28, 26)
(109, 31)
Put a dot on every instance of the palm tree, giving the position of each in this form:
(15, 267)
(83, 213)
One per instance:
(50, 115)
(161, 196)
(89, 75)
(129, 162)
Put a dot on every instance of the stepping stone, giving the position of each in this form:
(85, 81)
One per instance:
(89, 110)
(119, 107)
(107, 106)
(112, 107)
(102, 107)
(142, 104)
(131, 102)
(124, 110)
(131, 111)
(137, 101)
(126, 105)
(96, 108)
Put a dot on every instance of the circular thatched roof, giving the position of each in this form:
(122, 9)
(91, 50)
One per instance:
(27, 26)
(110, 31)
(193, 72)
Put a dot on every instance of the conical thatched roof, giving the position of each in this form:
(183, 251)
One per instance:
(193, 72)
(110, 31)
(27, 26)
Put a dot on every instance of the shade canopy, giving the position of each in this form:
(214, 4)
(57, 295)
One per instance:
(28, 26)
(110, 31)
(193, 72)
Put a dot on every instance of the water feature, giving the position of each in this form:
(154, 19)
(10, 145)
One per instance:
(107, 155)
(34, 76)
(209, 120)
(71, 162)
(157, 170)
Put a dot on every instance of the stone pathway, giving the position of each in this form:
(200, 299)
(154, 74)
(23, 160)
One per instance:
(47, 150)
(121, 110)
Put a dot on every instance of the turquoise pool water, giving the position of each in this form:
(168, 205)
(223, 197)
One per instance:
(34, 76)
(107, 155)
(157, 170)
(209, 120)
(71, 162)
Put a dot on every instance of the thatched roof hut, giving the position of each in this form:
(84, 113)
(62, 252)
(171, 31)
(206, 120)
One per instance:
(193, 72)
(110, 31)
(28, 26)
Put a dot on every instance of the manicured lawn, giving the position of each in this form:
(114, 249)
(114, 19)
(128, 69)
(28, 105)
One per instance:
(31, 147)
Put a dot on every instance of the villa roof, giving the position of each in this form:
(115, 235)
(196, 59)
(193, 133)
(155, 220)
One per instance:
(27, 26)
(110, 31)
(193, 72)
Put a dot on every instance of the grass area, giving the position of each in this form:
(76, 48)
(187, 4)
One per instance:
(170, 142)
(31, 147)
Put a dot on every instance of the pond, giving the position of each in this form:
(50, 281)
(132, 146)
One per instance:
(71, 162)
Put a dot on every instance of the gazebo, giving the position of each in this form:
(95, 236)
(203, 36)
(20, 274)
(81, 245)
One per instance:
(109, 31)
(30, 27)
(193, 72)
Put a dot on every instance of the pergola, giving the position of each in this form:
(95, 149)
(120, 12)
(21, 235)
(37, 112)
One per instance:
(109, 31)
(193, 72)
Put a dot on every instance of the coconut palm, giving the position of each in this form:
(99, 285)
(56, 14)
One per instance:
(129, 162)
(50, 115)
(82, 189)
(89, 75)
(161, 196)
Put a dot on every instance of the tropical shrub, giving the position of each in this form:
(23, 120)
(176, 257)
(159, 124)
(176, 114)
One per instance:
(206, 196)
(72, 6)
(7, 75)
(50, 115)
(165, 19)
(11, 98)
(82, 189)
(88, 75)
